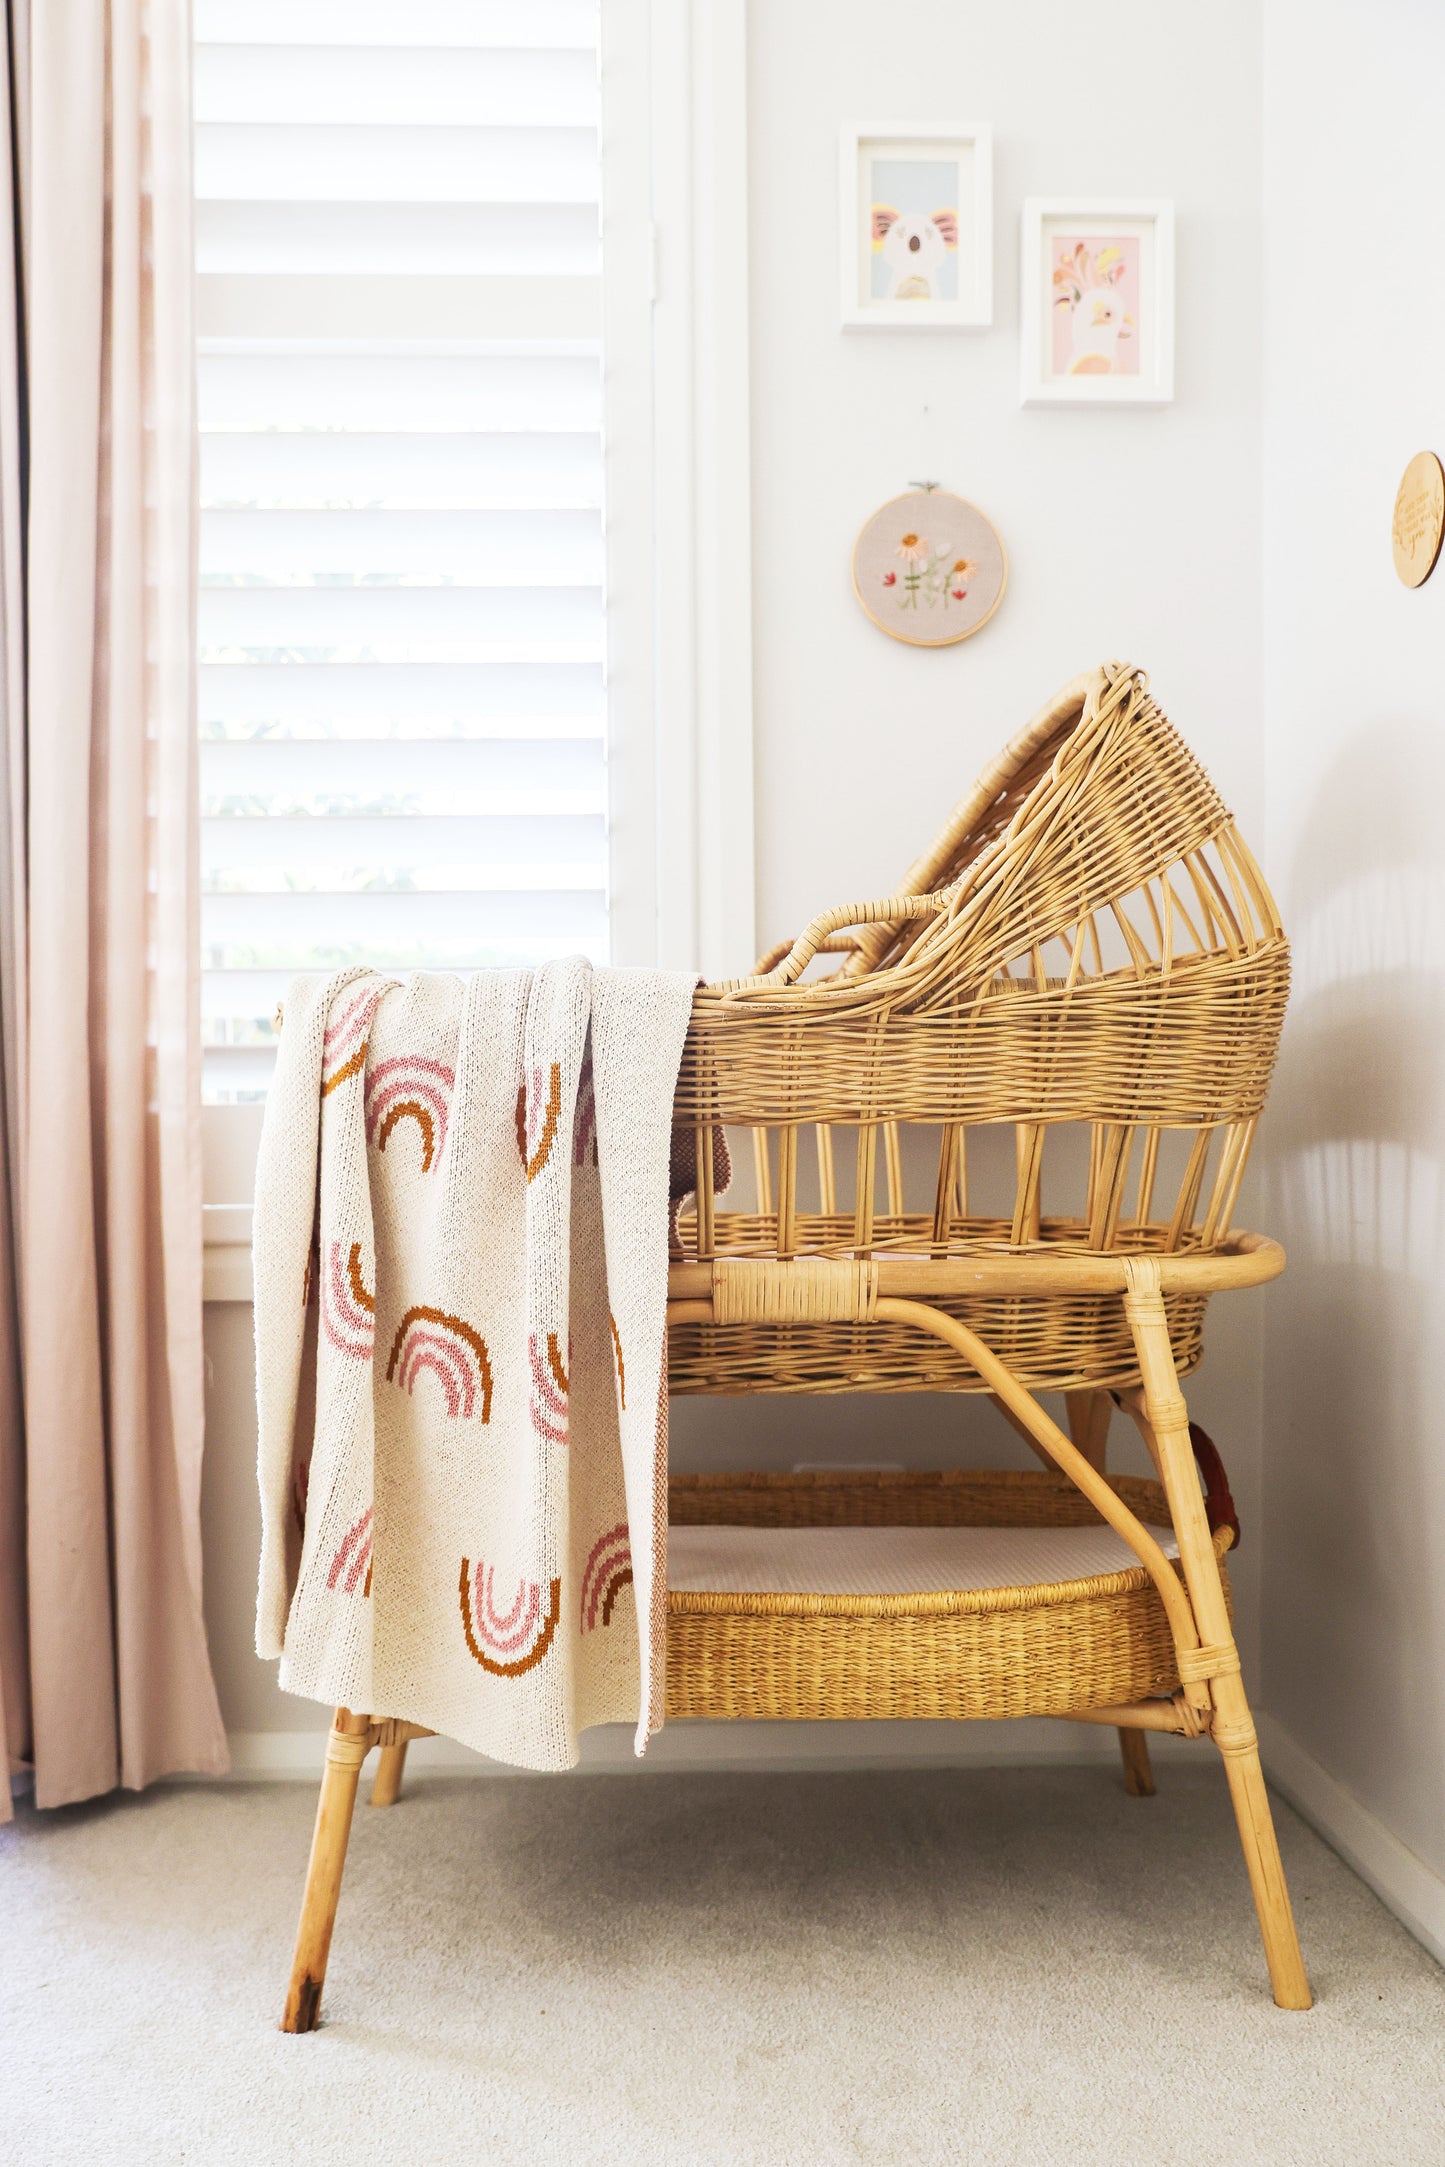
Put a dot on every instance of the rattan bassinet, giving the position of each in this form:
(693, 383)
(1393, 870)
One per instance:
(996, 1148)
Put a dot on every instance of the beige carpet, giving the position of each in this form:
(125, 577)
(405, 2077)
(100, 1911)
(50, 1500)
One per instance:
(987, 1966)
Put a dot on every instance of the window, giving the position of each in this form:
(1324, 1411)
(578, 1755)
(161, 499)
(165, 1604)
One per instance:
(402, 705)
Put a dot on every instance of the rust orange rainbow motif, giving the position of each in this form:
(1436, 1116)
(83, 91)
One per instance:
(353, 1559)
(344, 1046)
(621, 1367)
(454, 1352)
(410, 1088)
(549, 1388)
(512, 1641)
(348, 1308)
(608, 1572)
(537, 1116)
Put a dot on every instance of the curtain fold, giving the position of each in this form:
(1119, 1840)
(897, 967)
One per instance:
(14, 1664)
(102, 1046)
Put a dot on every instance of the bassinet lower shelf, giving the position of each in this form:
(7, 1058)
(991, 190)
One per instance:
(906, 1561)
(817, 1596)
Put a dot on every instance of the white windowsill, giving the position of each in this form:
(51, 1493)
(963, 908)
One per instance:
(226, 1258)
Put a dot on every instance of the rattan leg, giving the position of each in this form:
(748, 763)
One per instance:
(1236, 1741)
(1089, 1414)
(346, 1749)
(391, 1764)
(1138, 1774)
(1216, 1660)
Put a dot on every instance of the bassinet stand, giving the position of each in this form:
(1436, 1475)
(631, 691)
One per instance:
(946, 1011)
(1211, 1701)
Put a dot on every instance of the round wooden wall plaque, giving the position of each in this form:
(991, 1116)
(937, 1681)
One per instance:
(1419, 519)
(929, 568)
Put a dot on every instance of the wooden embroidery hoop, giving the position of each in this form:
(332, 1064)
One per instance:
(926, 491)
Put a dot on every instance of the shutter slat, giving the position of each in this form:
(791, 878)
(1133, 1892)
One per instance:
(318, 305)
(262, 162)
(301, 775)
(400, 392)
(410, 240)
(393, 930)
(510, 548)
(460, 852)
(411, 700)
(475, 472)
(399, 623)
(487, 23)
(439, 86)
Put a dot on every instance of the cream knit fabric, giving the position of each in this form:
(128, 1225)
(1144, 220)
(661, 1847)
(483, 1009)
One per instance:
(461, 1282)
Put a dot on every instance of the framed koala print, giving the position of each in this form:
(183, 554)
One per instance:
(916, 221)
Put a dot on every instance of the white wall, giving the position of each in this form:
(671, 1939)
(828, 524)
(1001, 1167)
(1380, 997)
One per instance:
(1132, 534)
(1129, 534)
(1354, 1613)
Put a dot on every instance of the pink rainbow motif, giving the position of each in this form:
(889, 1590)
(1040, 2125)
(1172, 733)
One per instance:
(347, 1308)
(353, 1558)
(584, 1122)
(452, 1351)
(344, 1047)
(608, 1571)
(548, 1407)
(506, 1642)
(408, 1087)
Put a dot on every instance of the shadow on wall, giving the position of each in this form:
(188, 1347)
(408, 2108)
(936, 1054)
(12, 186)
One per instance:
(1354, 1580)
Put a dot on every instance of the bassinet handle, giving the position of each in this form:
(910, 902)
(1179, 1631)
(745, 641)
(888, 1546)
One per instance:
(816, 939)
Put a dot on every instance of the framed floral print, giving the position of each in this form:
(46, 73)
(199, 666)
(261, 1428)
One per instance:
(1097, 313)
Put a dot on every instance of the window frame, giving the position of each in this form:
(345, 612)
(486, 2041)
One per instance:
(677, 528)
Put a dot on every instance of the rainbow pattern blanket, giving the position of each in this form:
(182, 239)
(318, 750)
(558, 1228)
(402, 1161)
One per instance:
(460, 1241)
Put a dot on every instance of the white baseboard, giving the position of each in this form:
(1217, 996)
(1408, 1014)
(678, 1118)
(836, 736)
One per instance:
(689, 1748)
(1403, 1882)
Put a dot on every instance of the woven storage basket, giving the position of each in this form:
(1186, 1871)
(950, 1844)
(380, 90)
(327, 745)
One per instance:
(1042, 1651)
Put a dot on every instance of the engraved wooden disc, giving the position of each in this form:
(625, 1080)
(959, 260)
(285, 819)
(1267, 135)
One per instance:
(1419, 519)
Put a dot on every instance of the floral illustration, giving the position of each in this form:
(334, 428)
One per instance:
(928, 567)
(931, 575)
(1095, 298)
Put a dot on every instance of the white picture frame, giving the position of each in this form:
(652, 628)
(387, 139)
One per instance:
(932, 266)
(1121, 252)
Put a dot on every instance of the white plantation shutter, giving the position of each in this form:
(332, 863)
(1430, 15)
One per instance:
(401, 630)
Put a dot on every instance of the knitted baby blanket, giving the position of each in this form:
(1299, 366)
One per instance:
(460, 1242)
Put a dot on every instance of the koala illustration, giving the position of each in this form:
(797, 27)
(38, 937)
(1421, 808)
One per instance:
(914, 250)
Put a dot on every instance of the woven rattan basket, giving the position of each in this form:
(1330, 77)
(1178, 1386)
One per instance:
(1086, 955)
(1036, 1651)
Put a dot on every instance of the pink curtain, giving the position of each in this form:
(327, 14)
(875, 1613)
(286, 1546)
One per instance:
(103, 1665)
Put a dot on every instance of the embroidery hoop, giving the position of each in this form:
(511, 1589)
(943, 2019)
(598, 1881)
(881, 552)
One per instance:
(970, 526)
